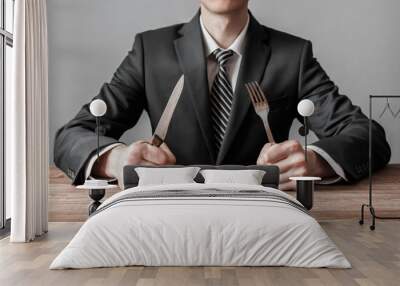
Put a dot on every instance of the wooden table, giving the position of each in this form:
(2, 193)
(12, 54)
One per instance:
(331, 202)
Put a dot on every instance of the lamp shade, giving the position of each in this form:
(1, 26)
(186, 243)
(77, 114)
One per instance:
(98, 107)
(305, 108)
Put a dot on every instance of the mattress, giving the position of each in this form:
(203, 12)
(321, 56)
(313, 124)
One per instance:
(201, 225)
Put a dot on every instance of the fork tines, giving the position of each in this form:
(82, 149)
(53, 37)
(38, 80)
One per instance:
(256, 94)
(260, 105)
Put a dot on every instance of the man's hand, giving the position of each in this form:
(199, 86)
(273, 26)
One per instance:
(289, 157)
(111, 164)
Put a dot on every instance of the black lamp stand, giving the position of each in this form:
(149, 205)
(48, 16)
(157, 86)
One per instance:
(370, 201)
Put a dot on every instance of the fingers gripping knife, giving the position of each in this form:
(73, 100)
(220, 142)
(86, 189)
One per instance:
(162, 127)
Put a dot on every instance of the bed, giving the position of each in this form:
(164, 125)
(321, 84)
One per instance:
(201, 224)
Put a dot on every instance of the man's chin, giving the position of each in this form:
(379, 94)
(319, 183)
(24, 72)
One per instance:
(223, 8)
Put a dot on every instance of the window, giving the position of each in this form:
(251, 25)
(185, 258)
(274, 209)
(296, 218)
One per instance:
(9, 13)
(6, 44)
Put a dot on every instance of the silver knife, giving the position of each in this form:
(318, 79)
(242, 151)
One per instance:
(162, 127)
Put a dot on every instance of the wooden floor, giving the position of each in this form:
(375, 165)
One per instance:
(375, 257)
(331, 202)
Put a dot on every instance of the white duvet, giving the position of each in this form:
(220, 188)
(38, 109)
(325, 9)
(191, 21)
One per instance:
(184, 230)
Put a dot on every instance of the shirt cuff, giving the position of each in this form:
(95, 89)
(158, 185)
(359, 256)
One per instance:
(93, 159)
(334, 165)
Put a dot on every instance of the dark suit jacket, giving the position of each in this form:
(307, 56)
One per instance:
(283, 65)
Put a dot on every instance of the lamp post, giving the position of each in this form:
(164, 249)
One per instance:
(305, 108)
(98, 108)
(96, 187)
(305, 185)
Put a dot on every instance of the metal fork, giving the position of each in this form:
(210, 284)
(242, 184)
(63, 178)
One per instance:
(260, 105)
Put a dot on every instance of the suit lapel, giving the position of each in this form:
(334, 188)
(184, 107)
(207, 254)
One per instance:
(252, 68)
(190, 52)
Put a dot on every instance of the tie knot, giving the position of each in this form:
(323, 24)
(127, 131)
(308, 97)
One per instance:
(222, 56)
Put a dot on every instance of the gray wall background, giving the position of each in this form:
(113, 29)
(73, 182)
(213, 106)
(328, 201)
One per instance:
(357, 42)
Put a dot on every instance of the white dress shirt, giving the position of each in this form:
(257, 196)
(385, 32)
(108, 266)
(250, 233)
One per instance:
(233, 64)
(233, 68)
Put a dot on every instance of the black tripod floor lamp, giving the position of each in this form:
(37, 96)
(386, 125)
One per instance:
(370, 194)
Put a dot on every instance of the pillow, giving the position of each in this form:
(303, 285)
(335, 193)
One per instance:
(162, 176)
(246, 177)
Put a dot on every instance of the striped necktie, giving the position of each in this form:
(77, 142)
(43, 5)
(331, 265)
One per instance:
(221, 97)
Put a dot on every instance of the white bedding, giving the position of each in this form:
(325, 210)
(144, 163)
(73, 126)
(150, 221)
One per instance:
(184, 230)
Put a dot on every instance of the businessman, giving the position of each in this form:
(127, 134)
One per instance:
(219, 50)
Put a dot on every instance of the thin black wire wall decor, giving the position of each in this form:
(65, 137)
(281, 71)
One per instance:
(388, 108)
(395, 115)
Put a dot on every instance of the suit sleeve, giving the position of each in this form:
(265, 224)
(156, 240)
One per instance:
(342, 128)
(76, 142)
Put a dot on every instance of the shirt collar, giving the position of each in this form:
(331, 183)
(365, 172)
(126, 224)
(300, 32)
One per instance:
(237, 46)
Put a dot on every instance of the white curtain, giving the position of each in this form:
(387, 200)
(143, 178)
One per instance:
(27, 123)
